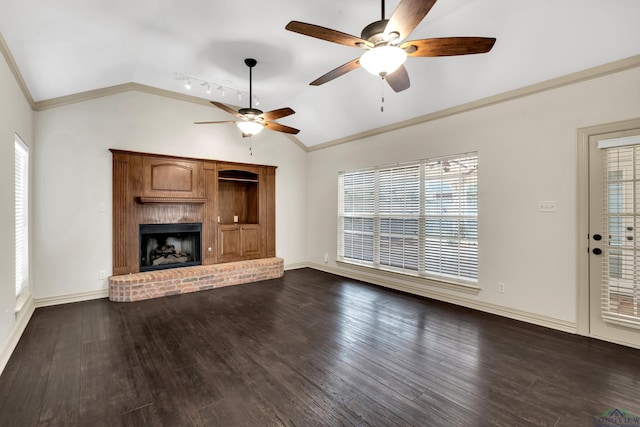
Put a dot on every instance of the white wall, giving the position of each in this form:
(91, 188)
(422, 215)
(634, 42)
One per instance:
(15, 117)
(72, 237)
(527, 152)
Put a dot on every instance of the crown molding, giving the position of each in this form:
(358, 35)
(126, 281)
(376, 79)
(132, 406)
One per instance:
(4, 48)
(114, 90)
(569, 79)
(125, 87)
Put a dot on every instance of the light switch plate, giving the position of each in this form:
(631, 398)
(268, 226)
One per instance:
(546, 206)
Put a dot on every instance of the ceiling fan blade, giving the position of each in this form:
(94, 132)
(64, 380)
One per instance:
(277, 114)
(399, 79)
(448, 46)
(327, 34)
(211, 123)
(337, 72)
(280, 128)
(407, 16)
(227, 109)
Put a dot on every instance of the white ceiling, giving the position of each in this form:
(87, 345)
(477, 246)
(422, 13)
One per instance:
(65, 47)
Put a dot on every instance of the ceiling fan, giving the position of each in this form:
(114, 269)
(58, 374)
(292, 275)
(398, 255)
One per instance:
(252, 120)
(386, 50)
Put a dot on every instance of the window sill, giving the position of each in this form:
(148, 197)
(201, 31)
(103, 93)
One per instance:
(459, 286)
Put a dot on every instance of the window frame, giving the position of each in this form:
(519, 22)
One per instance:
(416, 212)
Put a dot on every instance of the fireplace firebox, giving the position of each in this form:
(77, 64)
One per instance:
(165, 246)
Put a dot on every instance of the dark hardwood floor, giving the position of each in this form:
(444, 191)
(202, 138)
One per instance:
(310, 349)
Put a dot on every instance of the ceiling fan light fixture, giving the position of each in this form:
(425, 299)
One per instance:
(250, 128)
(383, 60)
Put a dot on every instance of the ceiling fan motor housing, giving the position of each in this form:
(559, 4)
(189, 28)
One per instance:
(250, 112)
(375, 33)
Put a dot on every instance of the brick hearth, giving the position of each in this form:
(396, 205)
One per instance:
(155, 284)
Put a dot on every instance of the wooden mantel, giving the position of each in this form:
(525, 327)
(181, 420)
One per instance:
(235, 202)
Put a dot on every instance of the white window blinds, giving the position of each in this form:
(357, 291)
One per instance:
(418, 218)
(21, 215)
(621, 270)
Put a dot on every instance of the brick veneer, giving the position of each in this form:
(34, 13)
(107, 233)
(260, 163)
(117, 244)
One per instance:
(155, 284)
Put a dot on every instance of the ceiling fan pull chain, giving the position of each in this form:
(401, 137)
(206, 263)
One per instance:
(382, 96)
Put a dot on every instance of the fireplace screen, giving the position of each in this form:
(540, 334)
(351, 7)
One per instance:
(169, 246)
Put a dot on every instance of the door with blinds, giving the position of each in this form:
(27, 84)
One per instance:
(614, 233)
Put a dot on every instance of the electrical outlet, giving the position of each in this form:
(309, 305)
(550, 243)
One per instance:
(326, 257)
(102, 274)
(501, 289)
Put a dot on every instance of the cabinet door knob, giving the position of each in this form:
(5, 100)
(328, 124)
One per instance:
(210, 249)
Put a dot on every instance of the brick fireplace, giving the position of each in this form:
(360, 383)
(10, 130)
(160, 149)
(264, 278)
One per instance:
(184, 224)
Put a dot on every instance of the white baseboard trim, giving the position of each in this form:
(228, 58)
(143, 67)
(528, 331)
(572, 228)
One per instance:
(22, 320)
(296, 266)
(511, 313)
(619, 342)
(69, 298)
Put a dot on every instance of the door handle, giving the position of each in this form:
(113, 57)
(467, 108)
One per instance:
(597, 251)
(597, 237)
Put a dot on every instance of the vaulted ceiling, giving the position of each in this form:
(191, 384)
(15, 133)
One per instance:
(65, 47)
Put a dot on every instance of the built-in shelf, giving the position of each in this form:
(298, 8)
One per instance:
(238, 179)
(172, 200)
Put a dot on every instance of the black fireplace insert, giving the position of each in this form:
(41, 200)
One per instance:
(165, 246)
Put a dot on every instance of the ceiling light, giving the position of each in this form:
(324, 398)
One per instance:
(187, 85)
(250, 128)
(383, 60)
(208, 89)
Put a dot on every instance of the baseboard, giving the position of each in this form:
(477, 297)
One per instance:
(69, 298)
(22, 321)
(296, 266)
(511, 313)
(619, 342)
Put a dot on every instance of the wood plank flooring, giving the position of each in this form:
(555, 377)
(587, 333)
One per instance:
(309, 349)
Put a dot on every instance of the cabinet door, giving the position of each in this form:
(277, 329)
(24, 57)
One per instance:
(166, 177)
(229, 248)
(250, 241)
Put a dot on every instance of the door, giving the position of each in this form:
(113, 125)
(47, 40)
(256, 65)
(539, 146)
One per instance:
(614, 250)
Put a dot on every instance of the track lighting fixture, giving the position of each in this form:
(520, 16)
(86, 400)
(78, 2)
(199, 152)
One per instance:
(208, 87)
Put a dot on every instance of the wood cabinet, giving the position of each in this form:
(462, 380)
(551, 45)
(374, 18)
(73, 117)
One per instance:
(239, 241)
(172, 177)
(242, 212)
(235, 202)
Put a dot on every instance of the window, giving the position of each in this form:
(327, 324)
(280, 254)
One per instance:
(419, 218)
(21, 216)
(620, 289)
